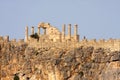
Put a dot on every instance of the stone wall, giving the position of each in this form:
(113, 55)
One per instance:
(113, 44)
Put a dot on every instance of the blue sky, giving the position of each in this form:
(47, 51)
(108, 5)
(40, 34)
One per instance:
(96, 18)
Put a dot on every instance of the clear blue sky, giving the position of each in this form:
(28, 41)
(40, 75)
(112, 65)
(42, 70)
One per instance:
(96, 18)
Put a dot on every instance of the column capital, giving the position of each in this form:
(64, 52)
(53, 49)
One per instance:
(75, 24)
(63, 25)
(69, 24)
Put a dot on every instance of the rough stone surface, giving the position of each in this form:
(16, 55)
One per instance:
(81, 63)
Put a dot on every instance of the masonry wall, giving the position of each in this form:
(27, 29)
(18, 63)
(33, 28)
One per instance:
(111, 44)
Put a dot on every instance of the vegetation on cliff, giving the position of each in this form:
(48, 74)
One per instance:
(35, 36)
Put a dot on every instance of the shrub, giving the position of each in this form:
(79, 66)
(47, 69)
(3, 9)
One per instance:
(16, 77)
(35, 36)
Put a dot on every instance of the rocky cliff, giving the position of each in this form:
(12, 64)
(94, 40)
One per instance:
(81, 63)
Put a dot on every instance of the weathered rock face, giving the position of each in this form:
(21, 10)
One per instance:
(82, 63)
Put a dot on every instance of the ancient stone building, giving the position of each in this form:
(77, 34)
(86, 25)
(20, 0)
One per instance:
(47, 35)
(52, 34)
(61, 38)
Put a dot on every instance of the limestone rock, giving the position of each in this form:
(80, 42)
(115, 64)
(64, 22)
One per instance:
(80, 63)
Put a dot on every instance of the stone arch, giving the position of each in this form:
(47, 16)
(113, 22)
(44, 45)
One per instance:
(44, 26)
(53, 33)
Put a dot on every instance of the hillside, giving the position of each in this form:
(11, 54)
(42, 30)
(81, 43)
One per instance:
(80, 63)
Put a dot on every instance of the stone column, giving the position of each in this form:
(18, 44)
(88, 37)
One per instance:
(75, 29)
(63, 32)
(75, 32)
(38, 30)
(32, 30)
(69, 31)
(6, 38)
(44, 31)
(26, 34)
(76, 36)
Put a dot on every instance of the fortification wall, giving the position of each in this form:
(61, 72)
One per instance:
(112, 44)
(5, 39)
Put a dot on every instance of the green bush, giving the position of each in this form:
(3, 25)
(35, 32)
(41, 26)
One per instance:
(16, 77)
(35, 36)
(81, 73)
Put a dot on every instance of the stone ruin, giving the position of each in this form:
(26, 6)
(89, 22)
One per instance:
(54, 38)
(54, 55)
(52, 34)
